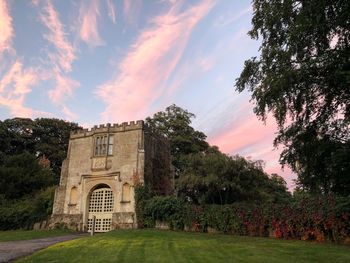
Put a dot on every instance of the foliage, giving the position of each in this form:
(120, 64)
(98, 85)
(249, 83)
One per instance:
(166, 208)
(51, 141)
(41, 137)
(31, 155)
(24, 212)
(212, 177)
(142, 195)
(307, 218)
(302, 77)
(175, 124)
(323, 164)
(150, 208)
(21, 175)
(204, 175)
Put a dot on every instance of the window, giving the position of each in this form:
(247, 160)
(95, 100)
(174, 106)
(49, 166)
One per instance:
(104, 145)
(110, 144)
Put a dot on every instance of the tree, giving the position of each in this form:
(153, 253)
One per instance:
(51, 138)
(175, 124)
(325, 162)
(21, 175)
(302, 77)
(43, 137)
(212, 177)
(18, 136)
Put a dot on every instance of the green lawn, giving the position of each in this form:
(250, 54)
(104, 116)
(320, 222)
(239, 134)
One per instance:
(166, 246)
(15, 235)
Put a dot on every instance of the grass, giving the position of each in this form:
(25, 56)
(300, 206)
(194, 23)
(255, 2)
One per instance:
(166, 246)
(15, 235)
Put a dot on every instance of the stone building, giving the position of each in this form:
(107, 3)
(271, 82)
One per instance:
(99, 175)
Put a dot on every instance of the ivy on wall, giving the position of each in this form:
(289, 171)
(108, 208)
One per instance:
(309, 218)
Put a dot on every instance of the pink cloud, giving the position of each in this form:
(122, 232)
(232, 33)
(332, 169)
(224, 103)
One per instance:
(15, 84)
(65, 54)
(61, 60)
(6, 29)
(149, 63)
(249, 137)
(64, 87)
(239, 135)
(111, 10)
(88, 15)
(206, 63)
(131, 10)
(71, 116)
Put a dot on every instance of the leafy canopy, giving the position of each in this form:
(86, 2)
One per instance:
(302, 77)
(175, 124)
(207, 176)
(41, 137)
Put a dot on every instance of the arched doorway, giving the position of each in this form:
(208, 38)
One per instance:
(101, 205)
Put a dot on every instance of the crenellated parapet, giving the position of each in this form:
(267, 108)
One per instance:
(106, 128)
(123, 127)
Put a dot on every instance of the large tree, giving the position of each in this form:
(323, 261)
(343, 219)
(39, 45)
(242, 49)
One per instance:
(302, 77)
(212, 177)
(22, 175)
(51, 141)
(207, 176)
(42, 137)
(175, 124)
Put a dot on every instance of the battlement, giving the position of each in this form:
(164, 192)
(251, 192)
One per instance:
(123, 127)
(105, 128)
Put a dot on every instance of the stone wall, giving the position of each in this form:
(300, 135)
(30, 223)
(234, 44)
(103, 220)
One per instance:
(60, 191)
(73, 222)
(124, 220)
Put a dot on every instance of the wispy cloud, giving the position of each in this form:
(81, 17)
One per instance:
(15, 81)
(64, 88)
(65, 52)
(240, 135)
(71, 116)
(6, 29)
(15, 84)
(149, 63)
(61, 60)
(131, 11)
(229, 18)
(88, 26)
(111, 10)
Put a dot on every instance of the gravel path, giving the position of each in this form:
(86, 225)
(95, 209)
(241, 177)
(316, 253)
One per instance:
(9, 251)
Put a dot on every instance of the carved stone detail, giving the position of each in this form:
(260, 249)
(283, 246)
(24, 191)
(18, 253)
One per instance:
(98, 163)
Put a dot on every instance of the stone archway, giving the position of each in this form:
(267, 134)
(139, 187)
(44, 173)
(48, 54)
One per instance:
(101, 205)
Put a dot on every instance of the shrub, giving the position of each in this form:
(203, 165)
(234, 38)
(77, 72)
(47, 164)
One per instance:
(317, 218)
(166, 208)
(23, 213)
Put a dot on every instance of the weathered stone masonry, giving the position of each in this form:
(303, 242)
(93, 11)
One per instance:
(102, 167)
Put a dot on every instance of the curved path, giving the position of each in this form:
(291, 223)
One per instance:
(9, 251)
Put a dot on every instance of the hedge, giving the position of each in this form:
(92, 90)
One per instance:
(311, 218)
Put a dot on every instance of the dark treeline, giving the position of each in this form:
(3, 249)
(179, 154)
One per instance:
(31, 155)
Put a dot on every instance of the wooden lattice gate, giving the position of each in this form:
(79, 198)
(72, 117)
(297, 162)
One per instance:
(101, 205)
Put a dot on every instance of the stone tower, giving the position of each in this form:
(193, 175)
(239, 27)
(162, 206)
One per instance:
(102, 167)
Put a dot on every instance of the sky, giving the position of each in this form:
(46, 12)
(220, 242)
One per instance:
(108, 61)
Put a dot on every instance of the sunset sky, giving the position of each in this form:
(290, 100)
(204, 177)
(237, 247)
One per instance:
(103, 61)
